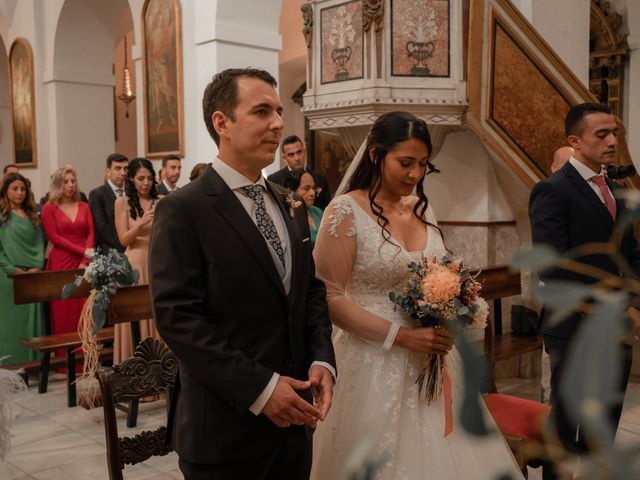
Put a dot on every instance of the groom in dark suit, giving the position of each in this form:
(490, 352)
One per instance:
(573, 207)
(102, 200)
(235, 297)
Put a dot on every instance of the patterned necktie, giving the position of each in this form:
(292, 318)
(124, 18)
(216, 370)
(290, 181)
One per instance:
(263, 221)
(604, 190)
(119, 192)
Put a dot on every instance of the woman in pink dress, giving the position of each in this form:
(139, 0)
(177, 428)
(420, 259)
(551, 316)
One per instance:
(68, 224)
(134, 217)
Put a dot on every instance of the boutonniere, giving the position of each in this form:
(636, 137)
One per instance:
(290, 200)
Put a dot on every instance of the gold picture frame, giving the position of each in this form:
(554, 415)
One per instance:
(161, 25)
(22, 104)
(329, 157)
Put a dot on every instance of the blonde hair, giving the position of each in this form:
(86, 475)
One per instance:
(57, 184)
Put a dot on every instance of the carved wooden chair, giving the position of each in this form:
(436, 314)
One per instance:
(151, 370)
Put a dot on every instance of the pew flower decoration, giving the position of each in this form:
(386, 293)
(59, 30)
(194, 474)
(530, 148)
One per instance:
(440, 294)
(105, 273)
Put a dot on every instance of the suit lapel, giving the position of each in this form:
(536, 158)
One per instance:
(228, 205)
(294, 240)
(111, 198)
(587, 191)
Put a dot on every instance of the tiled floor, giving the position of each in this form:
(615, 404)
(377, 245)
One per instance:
(53, 442)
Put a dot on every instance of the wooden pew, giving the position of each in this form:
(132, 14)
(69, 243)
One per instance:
(45, 286)
(498, 283)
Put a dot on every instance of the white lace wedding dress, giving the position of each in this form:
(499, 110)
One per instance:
(376, 405)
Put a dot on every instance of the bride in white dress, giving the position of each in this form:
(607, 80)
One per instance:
(368, 237)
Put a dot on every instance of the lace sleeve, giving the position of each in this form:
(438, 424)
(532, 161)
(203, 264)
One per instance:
(335, 249)
(335, 254)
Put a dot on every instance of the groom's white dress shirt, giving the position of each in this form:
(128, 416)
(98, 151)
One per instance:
(236, 181)
(588, 174)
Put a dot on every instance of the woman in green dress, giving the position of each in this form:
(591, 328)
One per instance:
(300, 181)
(21, 250)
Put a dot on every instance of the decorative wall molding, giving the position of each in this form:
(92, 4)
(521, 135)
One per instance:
(484, 16)
(238, 34)
(608, 55)
(373, 14)
(349, 117)
(80, 77)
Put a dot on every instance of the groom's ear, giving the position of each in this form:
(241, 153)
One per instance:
(219, 121)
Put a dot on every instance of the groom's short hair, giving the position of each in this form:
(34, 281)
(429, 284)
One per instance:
(221, 94)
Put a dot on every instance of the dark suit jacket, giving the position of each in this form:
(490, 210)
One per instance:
(322, 200)
(565, 213)
(162, 189)
(221, 306)
(102, 201)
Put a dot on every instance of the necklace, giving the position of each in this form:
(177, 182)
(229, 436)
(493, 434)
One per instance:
(399, 207)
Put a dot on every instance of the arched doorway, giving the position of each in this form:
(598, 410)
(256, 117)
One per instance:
(5, 118)
(89, 37)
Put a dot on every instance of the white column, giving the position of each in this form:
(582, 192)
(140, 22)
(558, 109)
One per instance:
(83, 134)
(633, 103)
(242, 33)
(565, 26)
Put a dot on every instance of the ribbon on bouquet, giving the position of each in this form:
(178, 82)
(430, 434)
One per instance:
(448, 400)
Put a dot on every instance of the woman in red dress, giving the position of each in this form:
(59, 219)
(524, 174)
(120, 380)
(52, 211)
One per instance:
(68, 225)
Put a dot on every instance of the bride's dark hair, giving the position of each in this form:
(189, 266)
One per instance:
(387, 132)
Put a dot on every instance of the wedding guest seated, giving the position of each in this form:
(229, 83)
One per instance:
(134, 218)
(68, 224)
(300, 181)
(21, 250)
(102, 200)
(197, 171)
(294, 154)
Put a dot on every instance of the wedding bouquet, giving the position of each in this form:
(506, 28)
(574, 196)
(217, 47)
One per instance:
(440, 294)
(105, 273)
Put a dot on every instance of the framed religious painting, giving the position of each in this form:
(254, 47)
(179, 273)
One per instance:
(162, 78)
(420, 38)
(329, 157)
(23, 118)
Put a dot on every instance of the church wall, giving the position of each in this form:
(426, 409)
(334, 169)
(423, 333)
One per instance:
(565, 26)
(292, 74)
(126, 141)
(20, 22)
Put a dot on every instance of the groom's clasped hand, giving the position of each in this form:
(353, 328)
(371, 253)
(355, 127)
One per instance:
(285, 407)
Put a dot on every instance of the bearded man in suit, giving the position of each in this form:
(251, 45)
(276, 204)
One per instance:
(236, 298)
(573, 207)
(171, 167)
